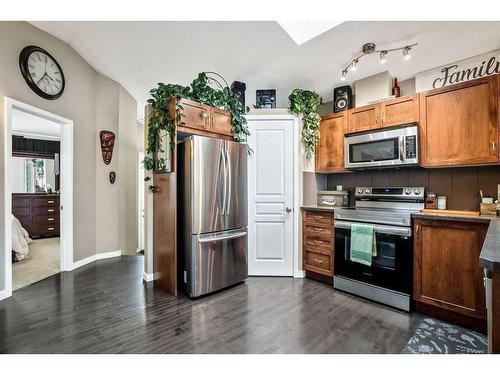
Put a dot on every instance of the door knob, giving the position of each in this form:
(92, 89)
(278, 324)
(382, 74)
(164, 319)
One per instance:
(288, 209)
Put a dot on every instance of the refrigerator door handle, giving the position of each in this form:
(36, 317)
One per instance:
(229, 180)
(214, 237)
(224, 183)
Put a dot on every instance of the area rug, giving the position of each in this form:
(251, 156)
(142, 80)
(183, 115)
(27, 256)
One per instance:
(436, 337)
(43, 261)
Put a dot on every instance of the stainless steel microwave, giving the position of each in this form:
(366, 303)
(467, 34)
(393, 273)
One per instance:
(391, 147)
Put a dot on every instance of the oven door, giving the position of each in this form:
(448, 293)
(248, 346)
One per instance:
(383, 148)
(390, 269)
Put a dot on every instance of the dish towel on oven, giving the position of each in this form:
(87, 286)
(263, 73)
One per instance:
(363, 245)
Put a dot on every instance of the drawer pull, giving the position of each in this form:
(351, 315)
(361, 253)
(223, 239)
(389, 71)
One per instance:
(50, 201)
(319, 217)
(318, 242)
(50, 219)
(50, 228)
(317, 261)
(318, 229)
(50, 210)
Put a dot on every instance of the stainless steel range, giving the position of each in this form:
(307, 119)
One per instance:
(389, 278)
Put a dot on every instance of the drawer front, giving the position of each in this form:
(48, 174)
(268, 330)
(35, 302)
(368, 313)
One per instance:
(318, 245)
(319, 233)
(17, 212)
(20, 202)
(37, 211)
(318, 261)
(46, 219)
(319, 219)
(45, 229)
(45, 202)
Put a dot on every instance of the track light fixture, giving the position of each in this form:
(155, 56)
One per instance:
(383, 57)
(370, 48)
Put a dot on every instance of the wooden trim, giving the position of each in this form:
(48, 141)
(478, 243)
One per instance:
(191, 131)
(331, 115)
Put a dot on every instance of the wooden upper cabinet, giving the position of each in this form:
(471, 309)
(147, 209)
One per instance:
(398, 111)
(446, 268)
(221, 122)
(459, 124)
(330, 149)
(195, 115)
(363, 118)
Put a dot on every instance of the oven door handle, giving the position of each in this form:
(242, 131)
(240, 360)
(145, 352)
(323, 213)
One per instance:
(383, 229)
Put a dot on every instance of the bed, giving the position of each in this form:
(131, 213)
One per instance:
(20, 241)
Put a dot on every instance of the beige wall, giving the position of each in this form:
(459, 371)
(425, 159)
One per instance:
(85, 102)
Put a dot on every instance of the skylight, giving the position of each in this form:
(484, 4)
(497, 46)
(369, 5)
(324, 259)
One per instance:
(303, 31)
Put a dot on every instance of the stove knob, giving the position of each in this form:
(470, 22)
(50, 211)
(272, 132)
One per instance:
(407, 191)
(416, 191)
(360, 191)
(367, 191)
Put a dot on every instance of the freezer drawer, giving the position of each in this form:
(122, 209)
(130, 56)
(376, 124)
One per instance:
(215, 261)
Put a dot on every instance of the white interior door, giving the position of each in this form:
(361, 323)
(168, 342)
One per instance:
(270, 203)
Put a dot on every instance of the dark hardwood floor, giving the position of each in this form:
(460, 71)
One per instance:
(105, 307)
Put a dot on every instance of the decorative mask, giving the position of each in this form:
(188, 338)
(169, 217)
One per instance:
(112, 177)
(107, 142)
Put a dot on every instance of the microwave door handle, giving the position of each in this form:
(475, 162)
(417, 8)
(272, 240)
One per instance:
(401, 148)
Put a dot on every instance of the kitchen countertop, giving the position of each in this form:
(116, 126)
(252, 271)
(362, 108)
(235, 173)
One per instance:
(489, 258)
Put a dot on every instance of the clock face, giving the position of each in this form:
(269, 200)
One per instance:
(42, 72)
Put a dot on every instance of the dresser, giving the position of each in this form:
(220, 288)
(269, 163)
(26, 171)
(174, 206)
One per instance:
(38, 213)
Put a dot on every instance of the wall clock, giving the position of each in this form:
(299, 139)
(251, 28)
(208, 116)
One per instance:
(41, 72)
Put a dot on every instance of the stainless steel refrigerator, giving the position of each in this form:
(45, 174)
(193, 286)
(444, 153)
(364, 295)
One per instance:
(212, 209)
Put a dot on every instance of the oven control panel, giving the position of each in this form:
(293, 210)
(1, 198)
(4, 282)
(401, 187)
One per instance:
(390, 192)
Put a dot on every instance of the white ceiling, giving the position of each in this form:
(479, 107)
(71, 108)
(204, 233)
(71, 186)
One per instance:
(140, 54)
(33, 126)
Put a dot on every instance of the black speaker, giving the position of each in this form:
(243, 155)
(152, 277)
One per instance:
(238, 89)
(342, 98)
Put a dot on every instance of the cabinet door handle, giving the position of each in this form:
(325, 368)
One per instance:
(417, 229)
(493, 146)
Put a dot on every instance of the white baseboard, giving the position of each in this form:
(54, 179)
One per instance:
(148, 277)
(93, 258)
(110, 254)
(4, 294)
(299, 274)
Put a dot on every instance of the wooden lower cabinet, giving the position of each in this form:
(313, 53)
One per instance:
(317, 243)
(448, 281)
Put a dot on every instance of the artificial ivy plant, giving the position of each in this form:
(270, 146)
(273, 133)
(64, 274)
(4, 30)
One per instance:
(200, 91)
(304, 102)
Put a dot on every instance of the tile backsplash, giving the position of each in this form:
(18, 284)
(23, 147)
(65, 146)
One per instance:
(460, 185)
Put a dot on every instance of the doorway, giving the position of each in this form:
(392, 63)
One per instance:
(38, 195)
(140, 202)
